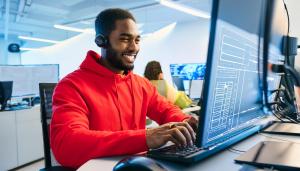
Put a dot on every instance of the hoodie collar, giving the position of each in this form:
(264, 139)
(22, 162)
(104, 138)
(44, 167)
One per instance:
(91, 63)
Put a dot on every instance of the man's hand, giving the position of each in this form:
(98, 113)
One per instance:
(193, 122)
(180, 133)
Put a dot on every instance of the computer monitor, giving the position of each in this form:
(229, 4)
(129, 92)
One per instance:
(271, 154)
(178, 83)
(232, 96)
(232, 93)
(183, 74)
(5, 92)
(195, 89)
(275, 32)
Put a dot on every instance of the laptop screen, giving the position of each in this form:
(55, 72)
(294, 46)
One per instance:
(232, 96)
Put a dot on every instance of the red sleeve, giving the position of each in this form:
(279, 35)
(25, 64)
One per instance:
(163, 111)
(73, 143)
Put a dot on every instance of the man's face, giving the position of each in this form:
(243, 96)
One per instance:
(123, 45)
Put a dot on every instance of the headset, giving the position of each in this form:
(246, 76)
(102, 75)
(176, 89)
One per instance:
(101, 40)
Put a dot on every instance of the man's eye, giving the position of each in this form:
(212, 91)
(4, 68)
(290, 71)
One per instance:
(124, 39)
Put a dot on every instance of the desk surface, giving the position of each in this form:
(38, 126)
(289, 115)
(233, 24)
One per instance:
(224, 160)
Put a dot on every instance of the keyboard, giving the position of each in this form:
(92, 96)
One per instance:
(175, 153)
(194, 154)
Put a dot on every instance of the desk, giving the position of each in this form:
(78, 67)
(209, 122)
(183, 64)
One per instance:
(224, 160)
(21, 138)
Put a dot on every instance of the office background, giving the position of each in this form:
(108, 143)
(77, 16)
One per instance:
(169, 36)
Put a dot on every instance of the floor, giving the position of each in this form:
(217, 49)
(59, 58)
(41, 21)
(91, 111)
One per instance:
(33, 167)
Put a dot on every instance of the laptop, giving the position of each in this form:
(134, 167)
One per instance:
(263, 155)
(232, 107)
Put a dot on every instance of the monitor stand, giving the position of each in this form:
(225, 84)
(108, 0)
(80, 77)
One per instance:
(284, 128)
(272, 154)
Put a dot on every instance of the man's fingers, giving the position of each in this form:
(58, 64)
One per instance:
(189, 128)
(188, 136)
(174, 140)
(191, 131)
(168, 126)
(193, 122)
(178, 135)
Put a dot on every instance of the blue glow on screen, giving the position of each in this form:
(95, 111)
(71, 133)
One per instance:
(188, 71)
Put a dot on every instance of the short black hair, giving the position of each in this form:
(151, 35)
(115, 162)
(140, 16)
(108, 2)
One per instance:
(152, 70)
(106, 20)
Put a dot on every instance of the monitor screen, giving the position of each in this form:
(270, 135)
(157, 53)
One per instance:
(195, 89)
(188, 71)
(232, 95)
(178, 83)
(5, 92)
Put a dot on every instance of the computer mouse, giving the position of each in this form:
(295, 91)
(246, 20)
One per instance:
(138, 163)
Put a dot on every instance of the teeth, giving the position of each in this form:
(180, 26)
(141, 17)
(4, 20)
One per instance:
(130, 57)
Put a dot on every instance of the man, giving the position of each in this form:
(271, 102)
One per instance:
(100, 109)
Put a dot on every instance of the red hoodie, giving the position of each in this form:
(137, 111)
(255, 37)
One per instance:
(98, 113)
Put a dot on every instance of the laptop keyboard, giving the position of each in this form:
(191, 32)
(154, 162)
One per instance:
(174, 151)
(193, 153)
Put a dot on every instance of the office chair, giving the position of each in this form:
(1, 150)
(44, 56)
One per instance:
(46, 92)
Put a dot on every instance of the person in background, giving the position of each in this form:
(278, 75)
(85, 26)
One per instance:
(154, 74)
(100, 109)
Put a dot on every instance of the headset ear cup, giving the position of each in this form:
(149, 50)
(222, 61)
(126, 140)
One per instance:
(101, 41)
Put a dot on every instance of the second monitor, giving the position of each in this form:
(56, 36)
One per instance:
(188, 77)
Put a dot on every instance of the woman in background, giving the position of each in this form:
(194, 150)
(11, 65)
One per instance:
(154, 74)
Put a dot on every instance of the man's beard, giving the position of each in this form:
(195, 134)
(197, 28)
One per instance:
(115, 59)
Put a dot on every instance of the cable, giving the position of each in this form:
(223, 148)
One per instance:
(288, 16)
(281, 109)
(294, 73)
(236, 150)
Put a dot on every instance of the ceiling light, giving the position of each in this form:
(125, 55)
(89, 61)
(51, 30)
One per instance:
(185, 9)
(166, 29)
(69, 28)
(23, 49)
(146, 35)
(38, 39)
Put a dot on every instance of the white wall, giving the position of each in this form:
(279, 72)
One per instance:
(68, 54)
(186, 43)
